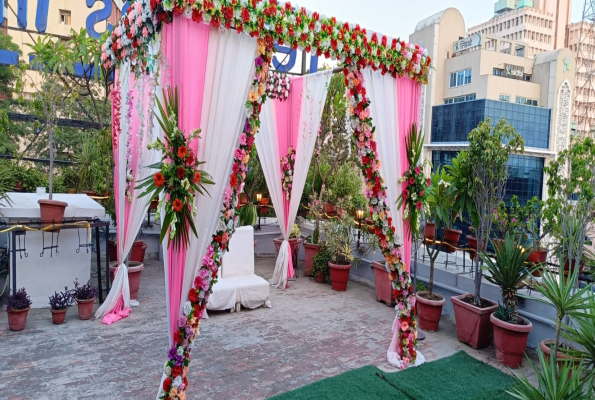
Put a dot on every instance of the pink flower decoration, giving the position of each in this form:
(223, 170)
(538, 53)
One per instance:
(417, 170)
(404, 325)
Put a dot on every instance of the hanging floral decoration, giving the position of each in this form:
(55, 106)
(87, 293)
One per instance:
(281, 22)
(176, 367)
(287, 165)
(413, 196)
(178, 176)
(278, 85)
(129, 172)
(363, 133)
(116, 129)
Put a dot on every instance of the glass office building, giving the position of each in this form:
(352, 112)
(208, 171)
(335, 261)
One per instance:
(453, 122)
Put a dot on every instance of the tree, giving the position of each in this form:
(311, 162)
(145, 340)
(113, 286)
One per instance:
(489, 150)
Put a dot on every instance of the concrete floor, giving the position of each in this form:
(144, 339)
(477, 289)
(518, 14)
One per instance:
(310, 333)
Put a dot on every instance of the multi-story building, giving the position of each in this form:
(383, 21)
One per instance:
(27, 21)
(540, 24)
(584, 99)
(473, 81)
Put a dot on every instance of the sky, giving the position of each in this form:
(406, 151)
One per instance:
(397, 18)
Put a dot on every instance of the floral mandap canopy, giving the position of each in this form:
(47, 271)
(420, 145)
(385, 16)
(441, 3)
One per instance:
(218, 54)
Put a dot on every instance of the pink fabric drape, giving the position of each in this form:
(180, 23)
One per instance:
(408, 104)
(185, 48)
(287, 114)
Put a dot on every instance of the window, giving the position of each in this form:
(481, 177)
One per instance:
(448, 101)
(498, 72)
(65, 17)
(460, 78)
(527, 77)
(528, 102)
(505, 97)
(470, 97)
(460, 99)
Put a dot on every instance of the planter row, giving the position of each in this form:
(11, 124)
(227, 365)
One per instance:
(18, 318)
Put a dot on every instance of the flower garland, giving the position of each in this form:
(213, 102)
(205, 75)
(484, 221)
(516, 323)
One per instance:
(296, 27)
(116, 98)
(363, 133)
(176, 367)
(278, 85)
(287, 165)
(129, 172)
(178, 176)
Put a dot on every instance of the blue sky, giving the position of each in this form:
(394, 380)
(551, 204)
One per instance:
(397, 18)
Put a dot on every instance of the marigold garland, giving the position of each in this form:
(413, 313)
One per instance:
(176, 367)
(363, 132)
(295, 27)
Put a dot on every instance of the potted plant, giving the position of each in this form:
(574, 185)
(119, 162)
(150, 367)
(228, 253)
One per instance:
(507, 220)
(337, 236)
(86, 168)
(429, 304)
(508, 270)
(70, 179)
(248, 216)
(295, 240)
(311, 248)
(18, 305)
(441, 203)
(536, 219)
(59, 303)
(85, 297)
(487, 158)
(320, 265)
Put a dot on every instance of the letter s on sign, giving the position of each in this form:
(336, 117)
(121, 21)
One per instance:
(98, 16)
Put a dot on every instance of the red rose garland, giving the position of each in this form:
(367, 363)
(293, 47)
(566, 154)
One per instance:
(379, 211)
(176, 367)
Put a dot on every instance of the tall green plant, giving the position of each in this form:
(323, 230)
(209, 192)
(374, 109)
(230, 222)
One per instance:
(583, 333)
(461, 187)
(559, 292)
(489, 150)
(337, 239)
(507, 270)
(86, 163)
(441, 199)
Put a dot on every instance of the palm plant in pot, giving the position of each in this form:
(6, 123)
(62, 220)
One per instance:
(59, 304)
(337, 236)
(507, 269)
(18, 305)
(85, 297)
(489, 150)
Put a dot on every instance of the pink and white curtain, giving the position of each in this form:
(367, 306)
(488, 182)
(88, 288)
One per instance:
(213, 71)
(137, 129)
(292, 122)
(394, 106)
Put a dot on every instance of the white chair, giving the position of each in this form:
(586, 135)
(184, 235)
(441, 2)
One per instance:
(224, 296)
(238, 270)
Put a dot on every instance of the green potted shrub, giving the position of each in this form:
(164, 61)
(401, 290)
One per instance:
(489, 150)
(507, 269)
(441, 203)
(18, 305)
(320, 265)
(536, 221)
(86, 166)
(70, 179)
(85, 297)
(59, 304)
(337, 236)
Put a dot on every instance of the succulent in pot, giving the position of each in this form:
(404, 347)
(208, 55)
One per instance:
(59, 304)
(18, 305)
(85, 297)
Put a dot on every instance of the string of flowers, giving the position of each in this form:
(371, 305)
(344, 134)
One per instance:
(278, 85)
(413, 195)
(287, 165)
(176, 367)
(116, 98)
(296, 27)
(363, 133)
(129, 177)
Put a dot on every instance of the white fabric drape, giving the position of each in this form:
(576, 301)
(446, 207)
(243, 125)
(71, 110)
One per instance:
(382, 92)
(229, 74)
(313, 97)
(138, 207)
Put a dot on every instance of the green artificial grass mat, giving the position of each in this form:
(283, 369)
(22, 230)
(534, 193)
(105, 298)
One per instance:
(459, 376)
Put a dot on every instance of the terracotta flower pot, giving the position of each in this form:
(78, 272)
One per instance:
(18, 187)
(134, 273)
(451, 237)
(562, 358)
(472, 242)
(384, 287)
(243, 198)
(330, 209)
(568, 269)
(52, 212)
(430, 231)
(498, 243)
(89, 192)
(294, 244)
(473, 324)
(153, 205)
(265, 201)
(311, 250)
(339, 276)
(320, 278)
(538, 256)
(370, 224)
(58, 316)
(429, 311)
(85, 308)
(138, 251)
(17, 319)
(72, 191)
(510, 341)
